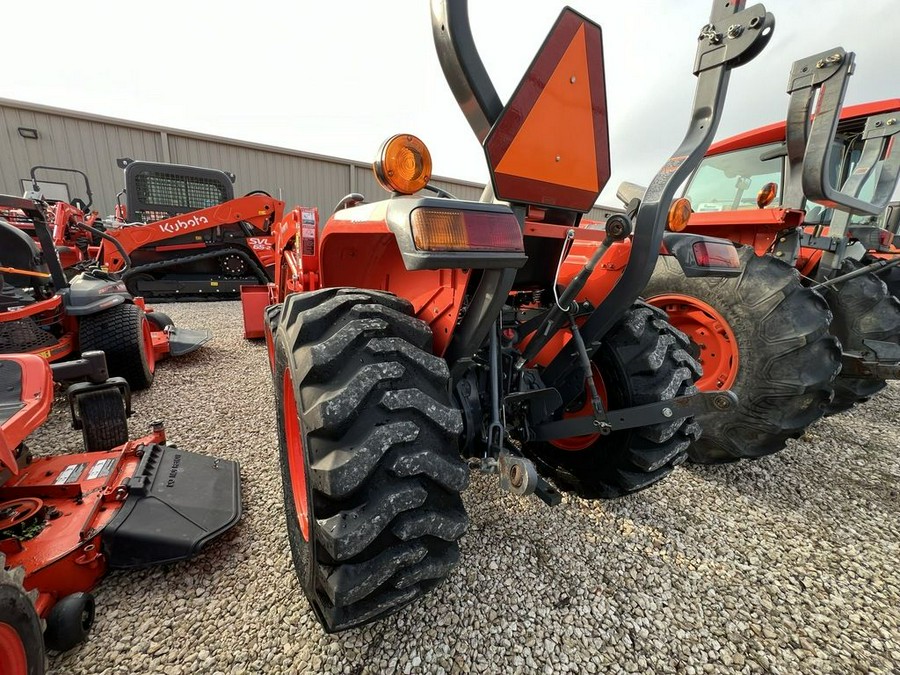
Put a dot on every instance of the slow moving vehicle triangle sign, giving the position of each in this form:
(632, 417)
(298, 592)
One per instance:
(550, 145)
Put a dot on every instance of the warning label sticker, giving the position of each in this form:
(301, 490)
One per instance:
(101, 468)
(70, 474)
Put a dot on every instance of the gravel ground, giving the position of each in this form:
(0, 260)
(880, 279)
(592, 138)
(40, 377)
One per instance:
(784, 565)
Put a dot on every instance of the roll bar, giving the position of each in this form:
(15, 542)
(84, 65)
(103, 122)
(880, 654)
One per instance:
(820, 81)
(462, 65)
(877, 136)
(87, 183)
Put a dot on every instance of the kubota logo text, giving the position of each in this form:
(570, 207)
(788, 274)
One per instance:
(179, 225)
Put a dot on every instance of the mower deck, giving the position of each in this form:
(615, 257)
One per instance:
(142, 504)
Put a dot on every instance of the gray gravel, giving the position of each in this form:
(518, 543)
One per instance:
(787, 564)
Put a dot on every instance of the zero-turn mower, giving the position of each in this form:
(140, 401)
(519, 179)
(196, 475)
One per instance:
(808, 328)
(67, 519)
(417, 338)
(44, 312)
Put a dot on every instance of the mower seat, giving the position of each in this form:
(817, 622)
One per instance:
(19, 251)
(26, 394)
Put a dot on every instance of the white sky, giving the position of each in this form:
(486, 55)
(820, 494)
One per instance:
(338, 77)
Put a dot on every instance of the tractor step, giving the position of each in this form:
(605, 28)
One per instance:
(177, 502)
(186, 340)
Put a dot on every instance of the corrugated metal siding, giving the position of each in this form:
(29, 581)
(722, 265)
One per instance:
(72, 143)
(293, 179)
(93, 143)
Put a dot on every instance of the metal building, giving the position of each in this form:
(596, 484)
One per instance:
(42, 135)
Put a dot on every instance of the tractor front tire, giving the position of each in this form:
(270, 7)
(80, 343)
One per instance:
(864, 309)
(21, 635)
(123, 333)
(786, 360)
(369, 453)
(642, 359)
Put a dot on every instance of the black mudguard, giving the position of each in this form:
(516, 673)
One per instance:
(178, 501)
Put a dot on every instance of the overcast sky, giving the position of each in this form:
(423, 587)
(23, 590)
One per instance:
(337, 77)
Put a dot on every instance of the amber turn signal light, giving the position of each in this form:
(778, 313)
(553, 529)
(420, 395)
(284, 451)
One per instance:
(458, 230)
(679, 214)
(766, 195)
(403, 164)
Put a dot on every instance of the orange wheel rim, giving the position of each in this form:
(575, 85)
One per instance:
(295, 454)
(148, 344)
(577, 443)
(12, 651)
(701, 322)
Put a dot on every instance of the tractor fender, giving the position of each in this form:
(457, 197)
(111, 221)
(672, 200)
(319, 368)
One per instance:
(88, 295)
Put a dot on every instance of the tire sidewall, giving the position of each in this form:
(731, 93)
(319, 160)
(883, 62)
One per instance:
(302, 551)
(17, 612)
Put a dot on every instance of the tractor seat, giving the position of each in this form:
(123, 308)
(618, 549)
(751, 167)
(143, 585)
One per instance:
(26, 394)
(19, 251)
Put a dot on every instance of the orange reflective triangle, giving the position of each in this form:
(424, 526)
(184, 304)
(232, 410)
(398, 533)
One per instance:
(556, 142)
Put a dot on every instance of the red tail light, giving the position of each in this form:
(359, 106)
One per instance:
(716, 254)
(459, 230)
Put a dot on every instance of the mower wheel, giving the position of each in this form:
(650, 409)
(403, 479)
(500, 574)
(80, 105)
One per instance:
(21, 642)
(104, 425)
(864, 309)
(642, 360)
(69, 622)
(123, 333)
(159, 320)
(368, 444)
(782, 358)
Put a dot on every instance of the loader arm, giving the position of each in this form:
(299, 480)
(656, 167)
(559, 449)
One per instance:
(259, 211)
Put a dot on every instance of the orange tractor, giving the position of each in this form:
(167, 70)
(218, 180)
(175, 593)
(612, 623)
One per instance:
(808, 328)
(417, 338)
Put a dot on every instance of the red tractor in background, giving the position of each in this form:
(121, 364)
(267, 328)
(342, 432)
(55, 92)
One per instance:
(44, 312)
(417, 335)
(808, 328)
(180, 234)
(67, 519)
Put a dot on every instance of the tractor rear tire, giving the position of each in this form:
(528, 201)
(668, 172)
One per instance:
(643, 359)
(786, 358)
(21, 634)
(864, 309)
(890, 276)
(368, 445)
(104, 424)
(123, 333)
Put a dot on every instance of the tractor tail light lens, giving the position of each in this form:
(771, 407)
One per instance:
(458, 230)
(716, 254)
